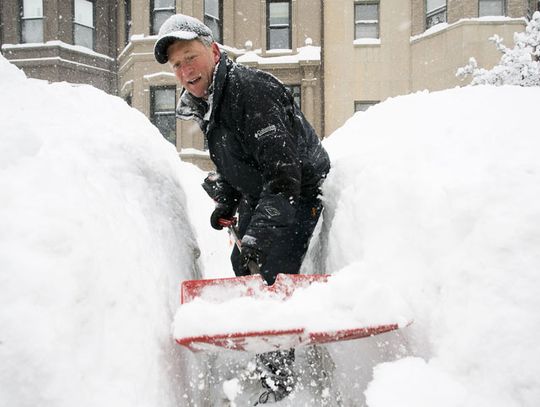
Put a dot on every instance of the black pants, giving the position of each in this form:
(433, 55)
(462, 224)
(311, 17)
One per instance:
(289, 248)
(285, 256)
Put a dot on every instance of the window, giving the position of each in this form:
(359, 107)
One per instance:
(435, 12)
(83, 23)
(32, 21)
(161, 10)
(127, 14)
(212, 18)
(296, 92)
(491, 8)
(532, 7)
(362, 106)
(278, 32)
(366, 19)
(163, 116)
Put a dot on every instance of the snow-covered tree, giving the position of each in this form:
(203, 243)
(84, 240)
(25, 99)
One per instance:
(518, 66)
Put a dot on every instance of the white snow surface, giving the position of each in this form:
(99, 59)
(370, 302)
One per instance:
(436, 196)
(432, 199)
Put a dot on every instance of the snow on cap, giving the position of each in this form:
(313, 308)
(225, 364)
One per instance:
(179, 27)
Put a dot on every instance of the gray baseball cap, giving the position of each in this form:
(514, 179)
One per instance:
(178, 27)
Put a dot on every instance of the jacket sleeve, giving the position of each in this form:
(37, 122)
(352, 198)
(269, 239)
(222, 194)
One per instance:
(220, 190)
(269, 136)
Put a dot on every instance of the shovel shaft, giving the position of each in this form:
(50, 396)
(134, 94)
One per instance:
(233, 231)
(252, 266)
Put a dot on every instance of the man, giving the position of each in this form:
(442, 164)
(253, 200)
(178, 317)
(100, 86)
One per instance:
(269, 162)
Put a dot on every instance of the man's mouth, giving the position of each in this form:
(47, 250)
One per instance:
(194, 80)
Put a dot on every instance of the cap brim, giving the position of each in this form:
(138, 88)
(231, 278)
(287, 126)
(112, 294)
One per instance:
(160, 48)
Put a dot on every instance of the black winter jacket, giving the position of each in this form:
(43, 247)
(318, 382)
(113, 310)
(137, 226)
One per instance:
(263, 147)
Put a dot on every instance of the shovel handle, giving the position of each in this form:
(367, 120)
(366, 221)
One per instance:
(253, 268)
(233, 230)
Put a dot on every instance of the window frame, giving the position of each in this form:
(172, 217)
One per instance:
(269, 28)
(433, 13)
(218, 19)
(127, 20)
(154, 113)
(75, 23)
(367, 103)
(296, 91)
(377, 23)
(153, 30)
(504, 7)
(22, 20)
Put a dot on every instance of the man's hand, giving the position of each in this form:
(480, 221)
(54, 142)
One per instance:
(222, 211)
(251, 257)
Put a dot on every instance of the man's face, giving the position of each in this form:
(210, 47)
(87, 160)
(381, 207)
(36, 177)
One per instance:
(193, 64)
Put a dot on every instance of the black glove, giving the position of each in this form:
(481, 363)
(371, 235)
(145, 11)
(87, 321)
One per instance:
(251, 258)
(222, 211)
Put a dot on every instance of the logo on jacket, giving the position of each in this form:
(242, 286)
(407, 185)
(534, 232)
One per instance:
(265, 131)
(271, 211)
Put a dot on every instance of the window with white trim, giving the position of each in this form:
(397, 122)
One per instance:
(83, 23)
(366, 19)
(435, 12)
(32, 21)
(212, 18)
(161, 10)
(278, 27)
(491, 8)
(162, 112)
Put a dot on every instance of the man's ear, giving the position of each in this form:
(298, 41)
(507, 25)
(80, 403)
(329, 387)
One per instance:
(216, 52)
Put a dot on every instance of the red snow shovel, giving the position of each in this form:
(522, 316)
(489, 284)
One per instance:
(263, 340)
(224, 289)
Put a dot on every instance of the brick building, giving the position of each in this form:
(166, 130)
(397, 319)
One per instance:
(337, 56)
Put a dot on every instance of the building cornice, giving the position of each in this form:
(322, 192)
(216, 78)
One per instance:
(444, 27)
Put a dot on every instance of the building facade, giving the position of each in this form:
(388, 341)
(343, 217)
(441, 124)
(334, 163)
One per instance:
(280, 37)
(376, 49)
(72, 41)
(336, 56)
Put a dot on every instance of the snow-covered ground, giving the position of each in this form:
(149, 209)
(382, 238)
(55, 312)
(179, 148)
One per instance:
(431, 196)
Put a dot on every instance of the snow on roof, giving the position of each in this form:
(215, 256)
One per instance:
(194, 151)
(443, 26)
(57, 43)
(158, 75)
(306, 54)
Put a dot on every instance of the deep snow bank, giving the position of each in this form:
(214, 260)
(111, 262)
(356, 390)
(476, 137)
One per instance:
(94, 238)
(436, 196)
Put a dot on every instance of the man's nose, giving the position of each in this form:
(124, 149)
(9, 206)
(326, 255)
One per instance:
(186, 71)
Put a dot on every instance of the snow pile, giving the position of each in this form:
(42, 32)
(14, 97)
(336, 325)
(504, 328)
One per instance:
(440, 204)
(94, 238)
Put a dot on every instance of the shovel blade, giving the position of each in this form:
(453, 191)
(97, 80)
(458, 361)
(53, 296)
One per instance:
(252, 286)
(267, 341)
(223, 289)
